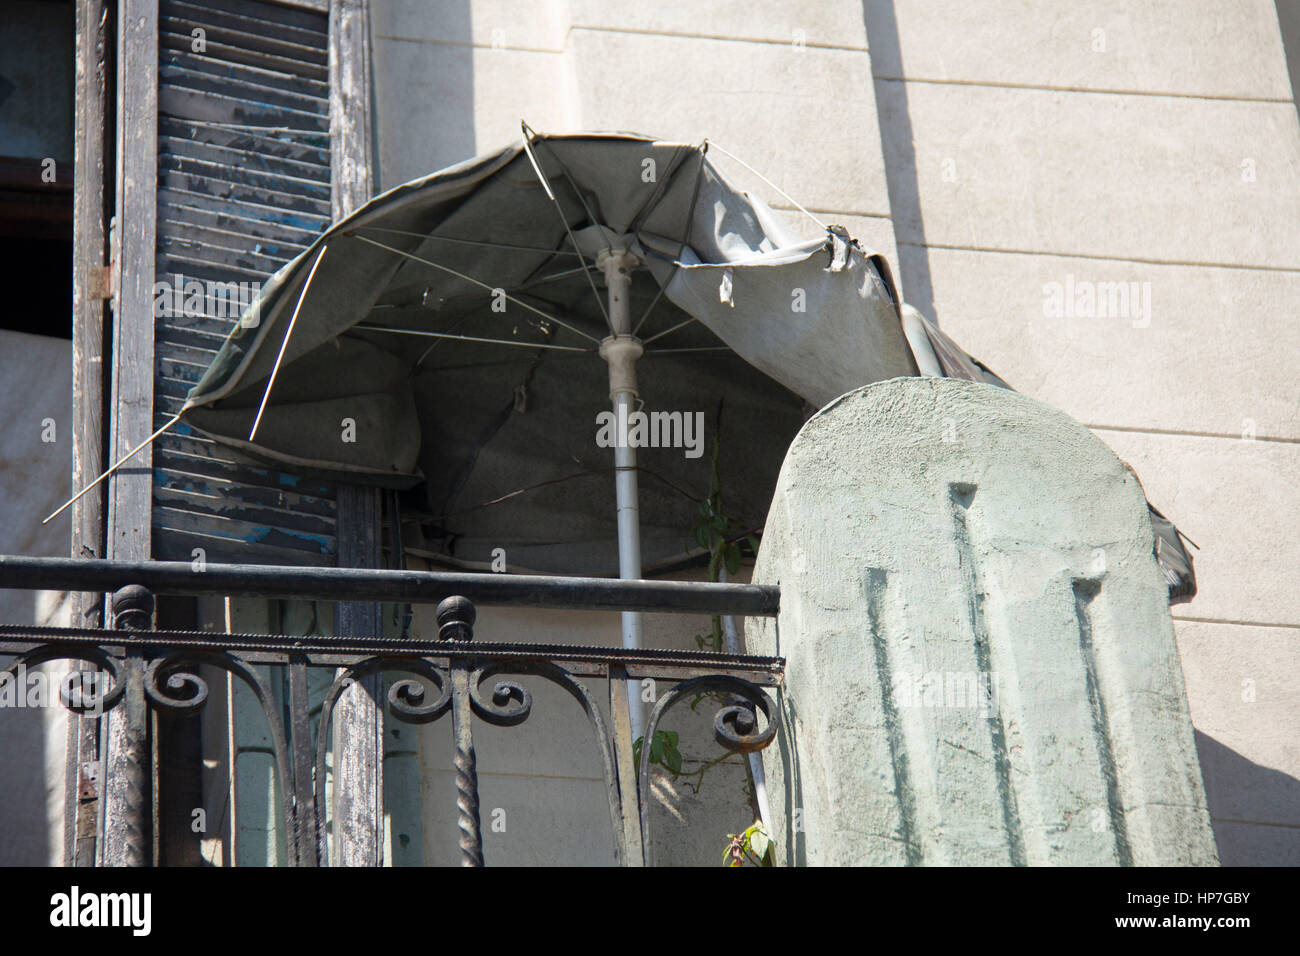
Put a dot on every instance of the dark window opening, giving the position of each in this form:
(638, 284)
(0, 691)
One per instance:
(37, 48)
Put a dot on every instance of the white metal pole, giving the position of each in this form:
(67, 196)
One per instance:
(621, 351)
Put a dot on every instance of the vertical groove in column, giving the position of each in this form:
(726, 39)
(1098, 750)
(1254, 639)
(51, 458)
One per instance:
(961, 496)
(877, 581)
(1084, 592)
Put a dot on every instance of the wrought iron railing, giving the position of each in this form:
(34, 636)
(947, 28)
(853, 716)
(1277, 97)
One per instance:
(159, 669)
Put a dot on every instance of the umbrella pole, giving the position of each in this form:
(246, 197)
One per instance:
(621, 351)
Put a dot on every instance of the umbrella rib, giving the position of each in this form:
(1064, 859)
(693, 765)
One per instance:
(481, 285)
(472, 338)
(585, 473)
(727, 152)
(660, 335)
(700, 348)
(436, 342)
(529, 135)
(660, 188)
(553, 277)
(285, 344)
(470, 242)
(649, 308)
(690, 218)
(116, 465)
(532, 158)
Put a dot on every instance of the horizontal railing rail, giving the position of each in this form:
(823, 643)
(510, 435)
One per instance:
(408, 587)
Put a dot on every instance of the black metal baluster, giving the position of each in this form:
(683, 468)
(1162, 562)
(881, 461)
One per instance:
(456, 616)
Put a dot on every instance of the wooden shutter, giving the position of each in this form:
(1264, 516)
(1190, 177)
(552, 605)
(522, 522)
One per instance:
(244, 184)
(240, 125)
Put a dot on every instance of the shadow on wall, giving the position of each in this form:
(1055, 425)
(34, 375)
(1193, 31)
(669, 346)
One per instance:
(1288, 15)
(899, 153)
(1245, 799)
(423, 73)
(24, 837)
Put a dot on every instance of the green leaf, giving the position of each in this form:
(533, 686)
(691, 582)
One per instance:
(759, 841)
(657, 749)
(733, 559)
(753, 541)
(671, 737)
(702, 535)
(673, 759)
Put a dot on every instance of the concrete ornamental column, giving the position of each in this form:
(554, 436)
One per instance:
(981, 661)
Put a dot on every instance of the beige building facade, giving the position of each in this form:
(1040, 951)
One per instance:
(1099, 200)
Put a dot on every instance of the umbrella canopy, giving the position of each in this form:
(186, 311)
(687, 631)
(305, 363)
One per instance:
(445, 338)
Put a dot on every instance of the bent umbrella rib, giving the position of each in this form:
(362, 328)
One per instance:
(532, 158)
(116, 465)
(727, 152)
(285, 344)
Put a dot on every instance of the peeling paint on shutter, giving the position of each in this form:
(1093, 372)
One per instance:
(243, 187)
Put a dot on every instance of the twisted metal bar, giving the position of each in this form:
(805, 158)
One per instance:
(455, 616)
(466, 762)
